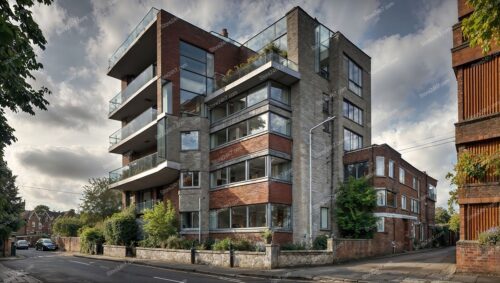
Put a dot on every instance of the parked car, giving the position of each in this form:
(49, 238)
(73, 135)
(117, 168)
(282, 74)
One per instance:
(45, 244)
(22, 245)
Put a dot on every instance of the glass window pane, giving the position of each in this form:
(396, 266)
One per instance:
(236, 104)
(281, 216)
(257, 124)
(237, 172)
(218, 178)
(381, 197)
(193, 52)
(223, 218)
(193, 65)
(257, 95)
(281, 169)
(167, 98)
(257, 215)
(280, 94)
(189, 140)
(280, 124)
(380, 166)
(391, 199)
(257, 167)
(212, 221)
(239, 217)
(218, 112)
(324, 218)
(191, 103)
(218, 138)
(237, 131)
(210, 85)
(210, 65)
(187, 179)
(346, 109)
(193, 82)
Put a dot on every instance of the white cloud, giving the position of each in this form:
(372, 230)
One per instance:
(54, 20)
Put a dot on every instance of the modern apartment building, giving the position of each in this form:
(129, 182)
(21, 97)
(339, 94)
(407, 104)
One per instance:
(477, 131)
(221, 129)
(406, 197)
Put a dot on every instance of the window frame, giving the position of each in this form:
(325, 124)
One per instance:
(197, 140)
(384, 196)
(402, 175)
(381, 224)
(346, 111)
(192, 178)
(378, 159)
(357, 84)
(404, 202)
(352, 135)
(324, 221)
(191, 216)
(391, 169)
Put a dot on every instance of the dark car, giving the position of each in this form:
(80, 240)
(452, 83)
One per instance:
(45, 244)
(22, 245)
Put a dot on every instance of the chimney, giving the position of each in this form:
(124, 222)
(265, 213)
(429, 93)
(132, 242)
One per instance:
(224, 32)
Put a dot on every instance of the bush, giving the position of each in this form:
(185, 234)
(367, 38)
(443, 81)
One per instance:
(160, 223)
(490, 237)
(237, 244)
(293, 247)
(121, 228)
(89, 237)
(67, 226)
(174, 242)
(320, 243)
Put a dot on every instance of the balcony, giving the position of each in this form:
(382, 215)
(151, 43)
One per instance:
(138, 95)
(131, 57)
(268, 66)
(143, 205)
(136, 135)
(146, 172)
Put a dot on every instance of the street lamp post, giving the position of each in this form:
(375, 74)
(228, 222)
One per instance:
(310, 174)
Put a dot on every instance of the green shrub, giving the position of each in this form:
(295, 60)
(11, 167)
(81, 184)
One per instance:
(490, 237)
(206, 245)
(293, 247)
(221, 245)
(160, 223)
(121, 228)
(320, 243)
(267, 236)
(67, 226)
(174, 242)
(237, 244)
(89, 237)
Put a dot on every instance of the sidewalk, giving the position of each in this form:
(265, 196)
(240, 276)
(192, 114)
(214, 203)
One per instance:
(10, 275)
(429, 266)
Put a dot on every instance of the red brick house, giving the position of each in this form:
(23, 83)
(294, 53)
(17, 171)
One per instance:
(406, 196)
(37, 223)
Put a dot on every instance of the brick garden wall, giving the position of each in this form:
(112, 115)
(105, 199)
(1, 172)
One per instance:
(68, 244)
(472, 257)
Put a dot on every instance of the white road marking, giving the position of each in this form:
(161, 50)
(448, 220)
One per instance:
(165, 279)
(229, 279)
(84, 263)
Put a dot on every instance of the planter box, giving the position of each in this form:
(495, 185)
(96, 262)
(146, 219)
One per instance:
(115, 251)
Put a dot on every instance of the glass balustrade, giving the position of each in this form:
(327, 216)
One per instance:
(135, 125)
(143, 205)
(135, 167)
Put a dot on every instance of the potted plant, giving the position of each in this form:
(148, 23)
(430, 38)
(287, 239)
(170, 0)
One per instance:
(267, 236)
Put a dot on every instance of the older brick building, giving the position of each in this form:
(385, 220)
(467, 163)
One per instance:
(406, 196)
(477, 131)
(222, 142)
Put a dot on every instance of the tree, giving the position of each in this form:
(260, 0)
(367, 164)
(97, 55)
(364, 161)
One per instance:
(482, 27)
(356, 200)
(18, 31)
(454, 222)
(121, 228)
(160, 223)
(11, 205)
(99, 202)
(67, 226)
(442, 216)
(41, 208)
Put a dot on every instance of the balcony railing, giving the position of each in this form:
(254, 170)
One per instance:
(143, 205)
(135, 125)
(432, 195)
(143, 24)
(135, 85)
(135, 167)
(222, 81)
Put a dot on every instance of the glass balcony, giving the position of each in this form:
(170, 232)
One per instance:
(144, 77)
(260, 60)
(135, 167)
(143, 205)
(138, 30)
(135, 125)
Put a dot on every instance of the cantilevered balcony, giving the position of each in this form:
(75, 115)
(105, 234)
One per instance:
(146, 172)
(267, 66)
(137, 135)
(137, 51)
(137, 96)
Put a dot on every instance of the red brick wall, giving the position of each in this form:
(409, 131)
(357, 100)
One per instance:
(350, 249)
(474, 258)
(263, 192)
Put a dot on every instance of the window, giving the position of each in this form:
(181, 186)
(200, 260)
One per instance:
(218, 178)
(218, 138)
(380, 224)
(257, 124)
(324, 218)
(281, 216)
(432, 192)
(190, 179)
(218, 112)
(403, 202)
(326, 104)
(355, 77)
(189, 220)
(281, 169)
(391, 199)
(189, 140)
(257, 167)
(167, 97)
(391, 168)
(415, 206)
(257, 95)
(381, 199)
(280, 124)
(352, 140)
(353, 112)
(279, 93)
(161, 138)
(219, 219)
(239, 217)
(380, 165)
(356, 170)
(401, 175)
(33, 224)
(322, 43)
(237, 172)
(191, 103)
(414, 184)
(237, 131)
(193, 82)
(237, 104)
(257, 215)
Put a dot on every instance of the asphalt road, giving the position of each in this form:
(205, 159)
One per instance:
(59, 267)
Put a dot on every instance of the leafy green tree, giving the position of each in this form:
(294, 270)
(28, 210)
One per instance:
(442, 216)
(67, 226)
(482, 27)
(454, 222)
(121, 228)
(41, 208)
(18, 34)
(160, 222)
(11, 204)
(99, 202)
(356, 200)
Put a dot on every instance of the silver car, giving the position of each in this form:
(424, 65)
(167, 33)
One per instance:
(22, 245)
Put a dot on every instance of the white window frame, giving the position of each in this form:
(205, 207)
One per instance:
(403, 202)
(380, 168)
(324, 223)
(381, 224)
(197, 140)
(402, 174)
(192, 178)
(384, 198)
(391, 168)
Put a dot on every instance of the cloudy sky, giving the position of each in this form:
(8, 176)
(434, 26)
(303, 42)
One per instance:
(413, 94)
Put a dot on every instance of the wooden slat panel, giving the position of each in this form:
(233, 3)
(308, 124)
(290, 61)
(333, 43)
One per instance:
(479, 218)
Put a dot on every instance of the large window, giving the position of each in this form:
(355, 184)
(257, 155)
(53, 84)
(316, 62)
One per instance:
(353, 112)
(322, 46)
(267, 90)
(281, 216)
(386, 198)
(196, 78)
(189, 140)
(220, 219)
(239, 217)
(380, 166)
(355, 76)
(252, 169)
(356, 170)
(189, 220)
(190, 179)
(352, 140)
(252, 126)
